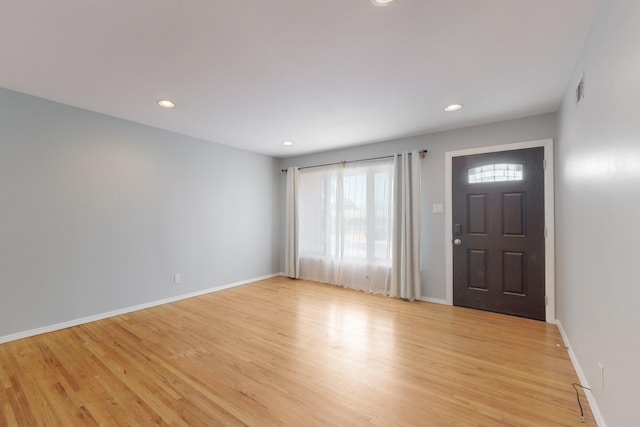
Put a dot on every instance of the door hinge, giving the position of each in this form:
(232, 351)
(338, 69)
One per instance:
(544, 164)
(546, 300)
(545, 232)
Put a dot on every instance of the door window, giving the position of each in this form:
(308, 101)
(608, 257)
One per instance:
(496, 172)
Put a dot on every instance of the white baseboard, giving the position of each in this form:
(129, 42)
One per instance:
(93, 318)
(583, 379)
(434, 300)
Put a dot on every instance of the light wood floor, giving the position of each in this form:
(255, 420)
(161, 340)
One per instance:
(292, 353)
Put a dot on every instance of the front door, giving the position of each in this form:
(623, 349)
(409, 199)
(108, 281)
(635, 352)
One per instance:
(498, 232)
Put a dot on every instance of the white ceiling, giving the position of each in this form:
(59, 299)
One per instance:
(321, 73)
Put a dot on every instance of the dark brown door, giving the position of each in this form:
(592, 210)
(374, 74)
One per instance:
(498, 232)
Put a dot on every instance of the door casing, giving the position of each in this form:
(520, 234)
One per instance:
(550, 308)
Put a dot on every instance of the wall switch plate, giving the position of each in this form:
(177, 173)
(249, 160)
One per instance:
(437, 208)
(176, 279)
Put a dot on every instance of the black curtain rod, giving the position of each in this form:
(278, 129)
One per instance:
(422, 154)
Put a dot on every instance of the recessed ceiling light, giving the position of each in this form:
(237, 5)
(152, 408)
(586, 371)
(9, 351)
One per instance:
(287, 143)
(381, 2)
(166, 103)
(453, 107)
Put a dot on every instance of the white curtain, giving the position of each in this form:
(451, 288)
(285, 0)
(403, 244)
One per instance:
(345, 225)
(291, 262)
(405, 273)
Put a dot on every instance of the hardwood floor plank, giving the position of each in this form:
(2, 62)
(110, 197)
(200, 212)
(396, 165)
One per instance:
(292, 353)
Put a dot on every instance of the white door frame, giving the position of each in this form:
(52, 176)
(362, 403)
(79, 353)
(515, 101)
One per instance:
(549, 245)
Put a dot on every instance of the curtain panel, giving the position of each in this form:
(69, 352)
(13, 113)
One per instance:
(405, 277)
(291, 255)
(345, 225)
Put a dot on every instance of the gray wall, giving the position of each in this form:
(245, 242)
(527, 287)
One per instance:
(98, 213)
(433, 233)
(598, 210)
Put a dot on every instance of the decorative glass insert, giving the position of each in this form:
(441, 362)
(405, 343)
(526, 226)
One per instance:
(496, 172)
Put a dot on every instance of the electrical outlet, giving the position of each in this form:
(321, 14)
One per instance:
(176, 279)
(601, 376)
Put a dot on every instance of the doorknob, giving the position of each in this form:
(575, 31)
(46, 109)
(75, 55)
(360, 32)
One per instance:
(457, 242)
